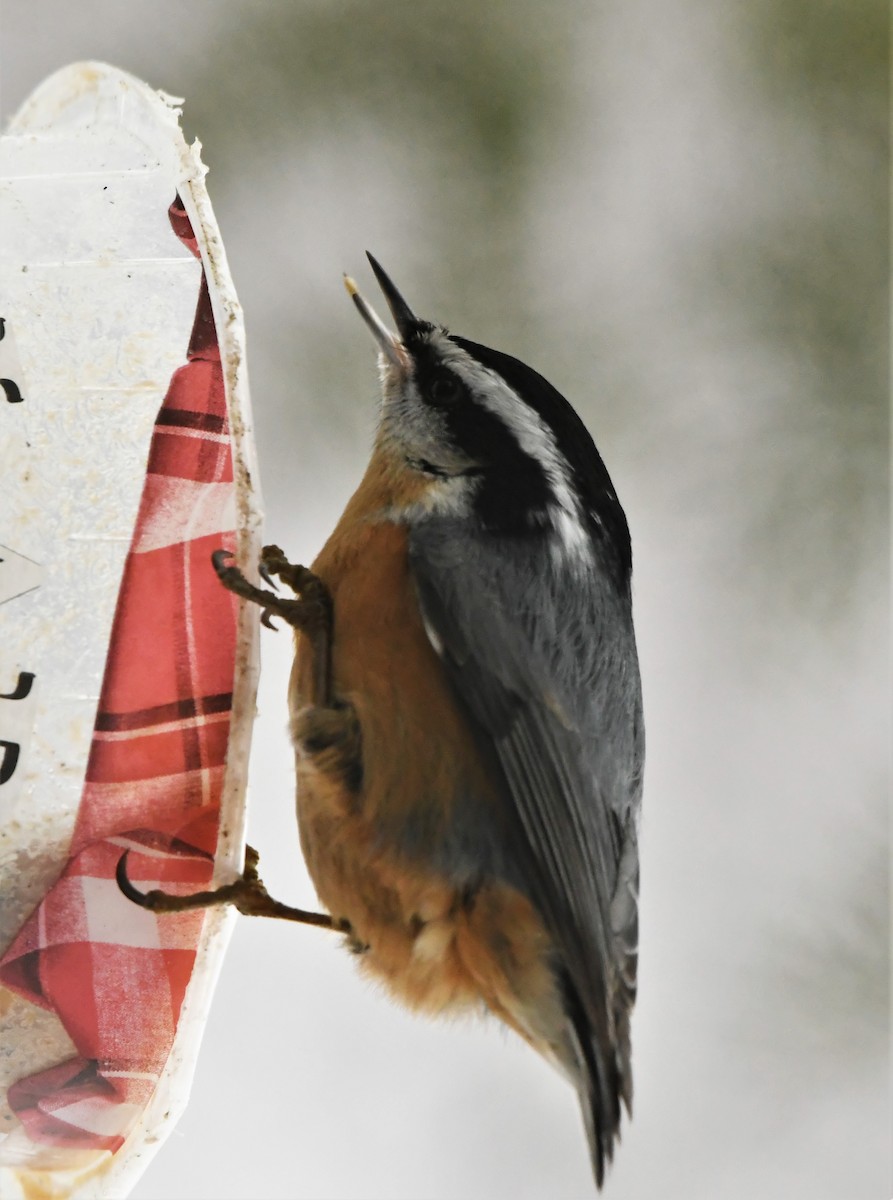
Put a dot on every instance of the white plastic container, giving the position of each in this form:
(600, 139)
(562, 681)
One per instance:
(146, 746)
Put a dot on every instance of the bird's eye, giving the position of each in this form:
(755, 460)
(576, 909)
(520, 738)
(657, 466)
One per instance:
(445, 389)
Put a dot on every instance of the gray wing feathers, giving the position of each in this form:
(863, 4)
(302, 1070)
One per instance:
(546, 667)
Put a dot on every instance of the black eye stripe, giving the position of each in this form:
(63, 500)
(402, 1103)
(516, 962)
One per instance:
(574, 441)
(446, 389)
(440, 387)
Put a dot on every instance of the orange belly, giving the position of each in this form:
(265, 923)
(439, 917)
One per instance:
(436, 942)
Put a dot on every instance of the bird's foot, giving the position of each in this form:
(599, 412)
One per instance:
(248, 894)
(310, 610)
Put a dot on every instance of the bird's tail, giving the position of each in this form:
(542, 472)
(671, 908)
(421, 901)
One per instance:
(598, 1062)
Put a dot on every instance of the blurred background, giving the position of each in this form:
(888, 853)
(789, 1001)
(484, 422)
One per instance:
(677, 211)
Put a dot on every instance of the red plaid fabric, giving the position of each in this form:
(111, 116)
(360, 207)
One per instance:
(115, 974)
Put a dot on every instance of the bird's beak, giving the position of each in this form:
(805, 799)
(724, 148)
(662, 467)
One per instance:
(390, 344)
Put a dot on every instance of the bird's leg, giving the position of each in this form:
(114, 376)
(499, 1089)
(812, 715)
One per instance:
(247, 894)
(310, 612)
(326, 733)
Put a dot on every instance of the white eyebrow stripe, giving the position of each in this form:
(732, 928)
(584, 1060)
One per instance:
(533, 436)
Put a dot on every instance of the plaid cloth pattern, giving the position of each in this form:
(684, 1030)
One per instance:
(116, 974)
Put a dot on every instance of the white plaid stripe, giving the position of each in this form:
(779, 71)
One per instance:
(182, 510)
(126, 735)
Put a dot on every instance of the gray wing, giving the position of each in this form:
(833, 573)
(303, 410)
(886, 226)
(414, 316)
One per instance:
(543, 658)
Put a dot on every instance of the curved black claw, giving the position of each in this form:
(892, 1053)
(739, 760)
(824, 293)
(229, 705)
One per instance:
(220, 559)
(126, 886)
(267, 577)
(158, 901)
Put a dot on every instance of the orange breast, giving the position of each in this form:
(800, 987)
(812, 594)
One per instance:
(373, 855)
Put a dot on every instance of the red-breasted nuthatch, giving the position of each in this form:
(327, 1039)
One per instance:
(466, 711)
